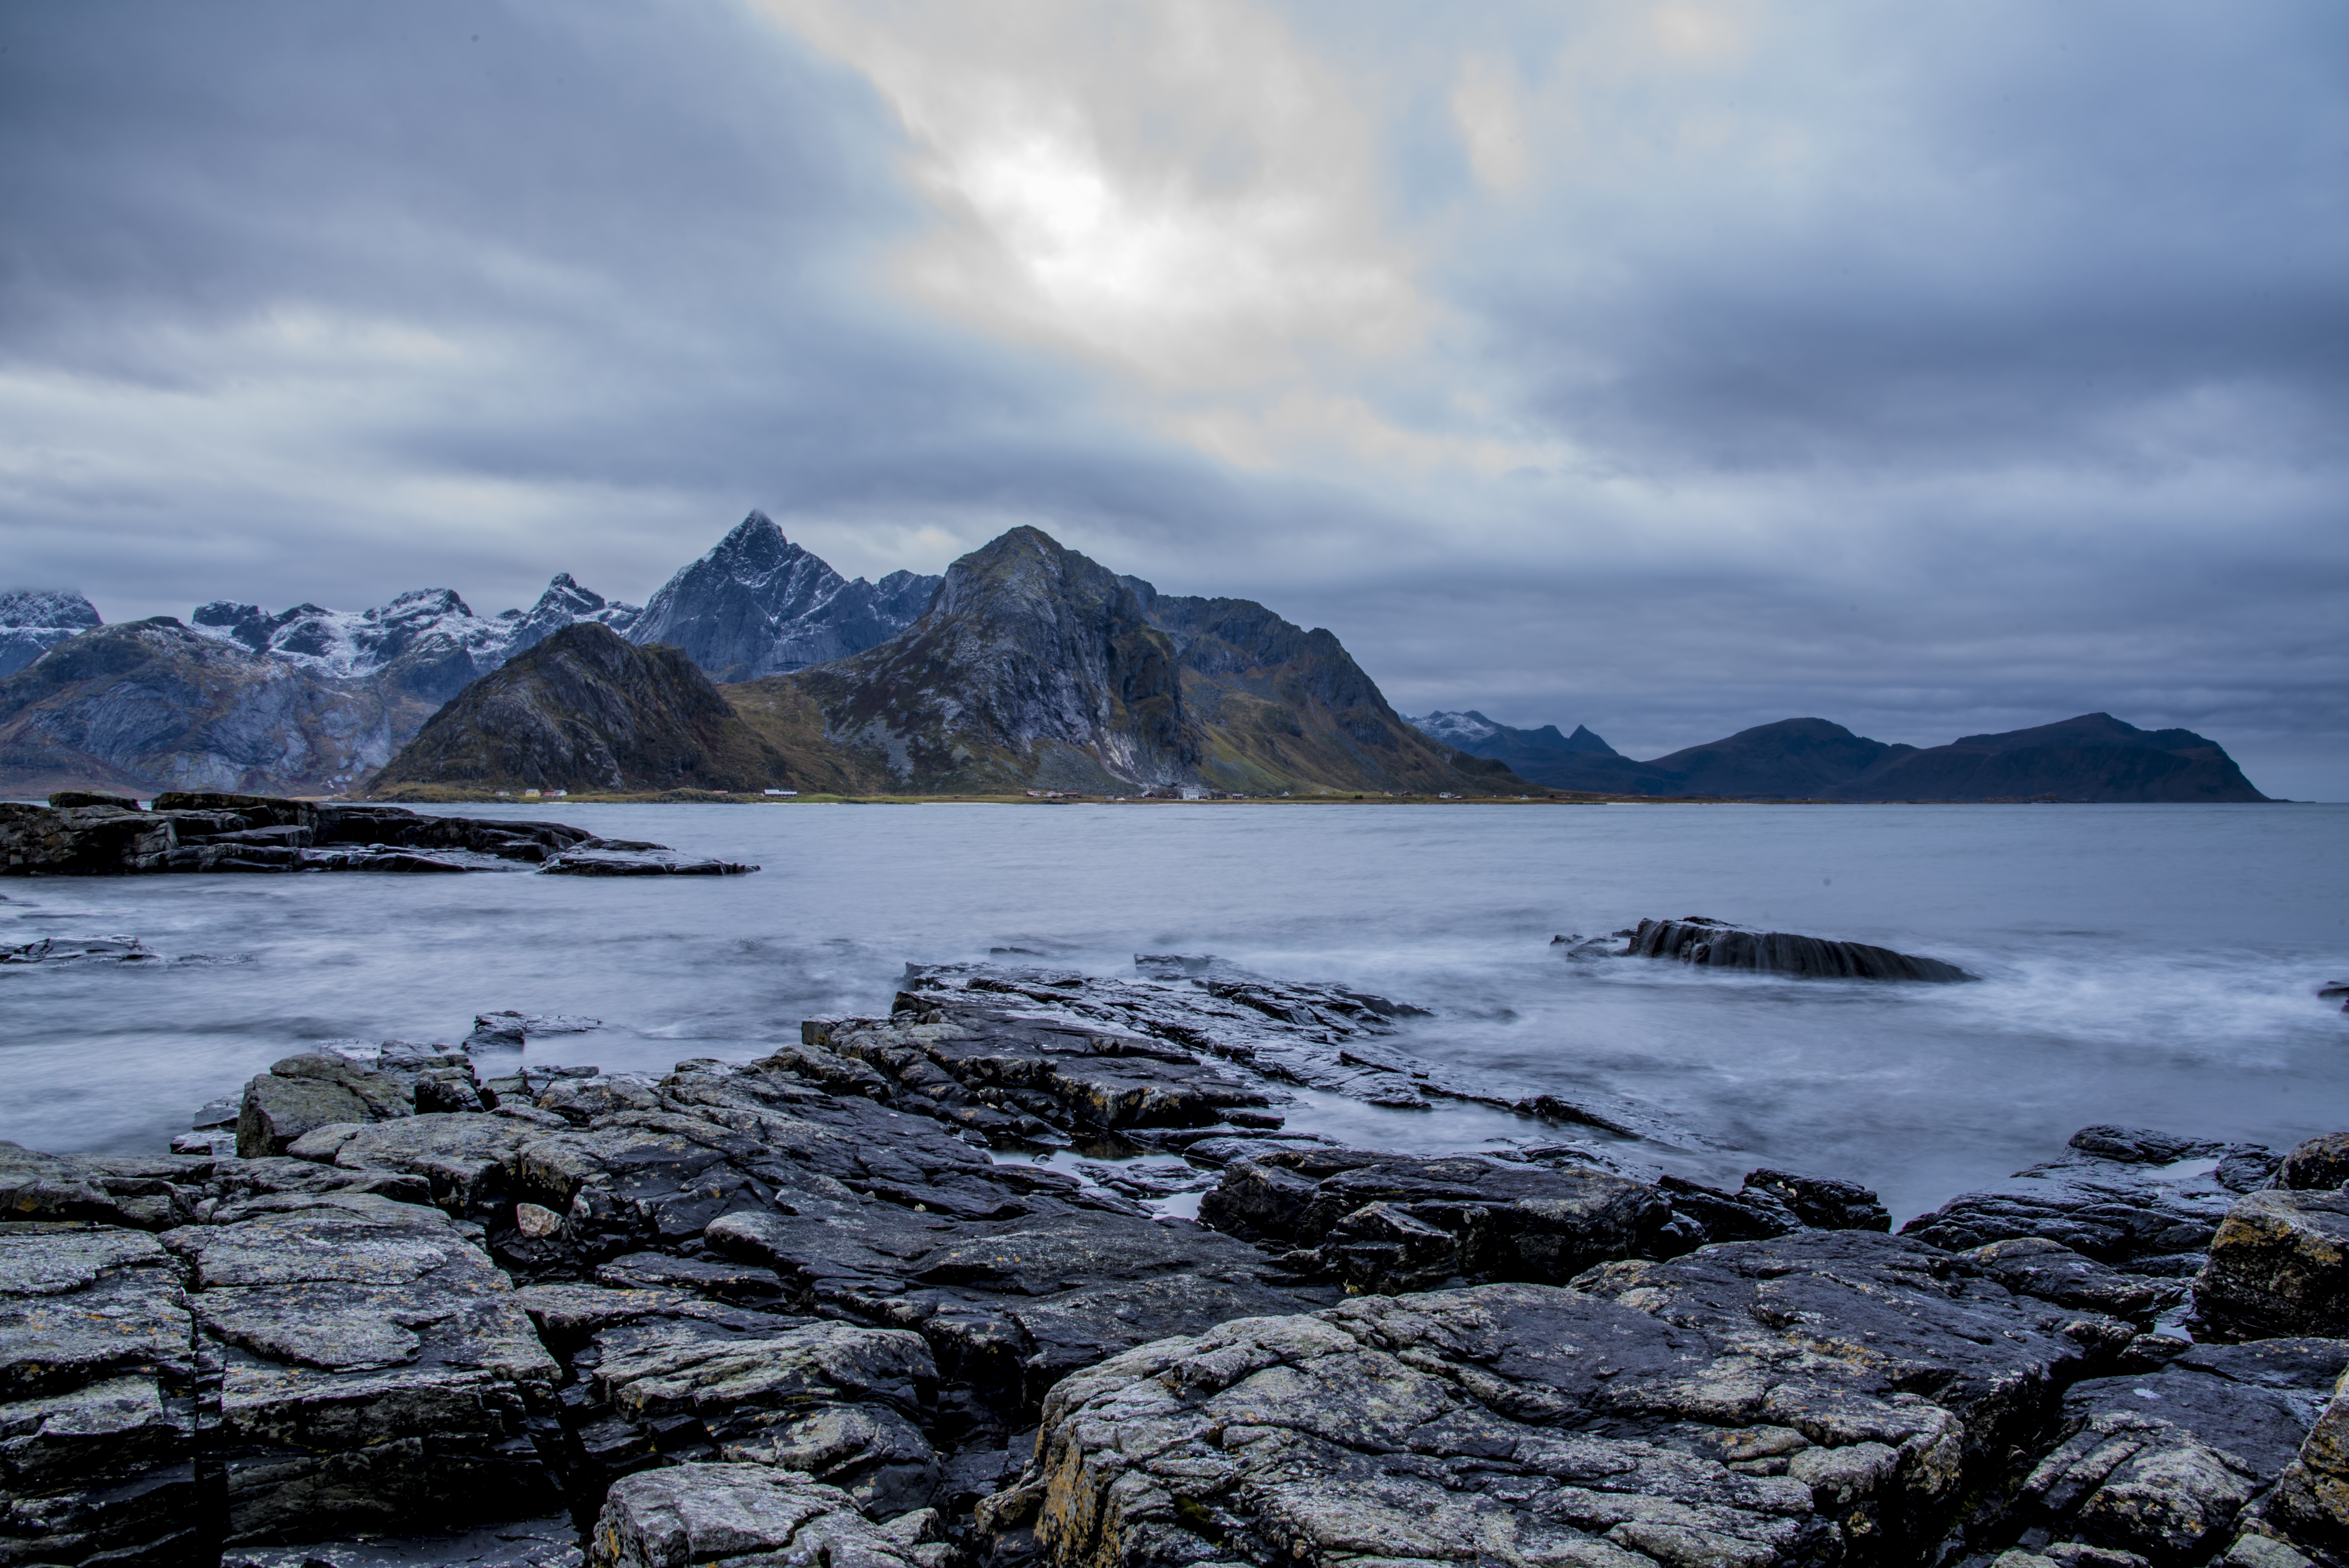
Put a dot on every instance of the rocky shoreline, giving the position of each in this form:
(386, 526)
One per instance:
(920, 1290)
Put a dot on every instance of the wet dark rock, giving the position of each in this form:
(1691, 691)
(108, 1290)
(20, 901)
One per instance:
(1322, 1036)
(593, 863)
(79, 950)
(1393, 1223)
(81, 840)
(1823, 1202)
(1717, 944)
(2036, 1266)
(2132, 1213)
(302, 1093)
(2279, 1265)
(65, 799)
(98, 1399)
(2318, 1165)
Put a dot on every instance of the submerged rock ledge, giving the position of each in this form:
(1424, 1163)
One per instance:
(827, 1308)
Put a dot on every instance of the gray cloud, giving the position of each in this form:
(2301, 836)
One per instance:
(1705, 362)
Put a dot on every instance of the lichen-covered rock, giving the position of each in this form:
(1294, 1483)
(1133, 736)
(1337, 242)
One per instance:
(375, 1369)
(2279, 1265)
(737, 1513)
(98, 1399)
(311, 1090)
(2310, 1507)
(1386, 1222)
(2161, 1464)
(467, 1160)
(2320, 1164)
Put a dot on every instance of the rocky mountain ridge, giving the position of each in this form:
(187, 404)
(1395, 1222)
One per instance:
(367, 680)
(1036, 666)
(34, 621)
(759, 604)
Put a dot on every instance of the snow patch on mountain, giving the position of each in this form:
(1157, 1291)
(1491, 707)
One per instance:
(34, 621)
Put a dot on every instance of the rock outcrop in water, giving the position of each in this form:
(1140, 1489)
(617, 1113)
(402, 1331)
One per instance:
(80, 834)
(588, 710)
(1717, 944)
(824, 1308)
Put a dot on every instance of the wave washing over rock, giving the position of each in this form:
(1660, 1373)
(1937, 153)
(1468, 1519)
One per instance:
(843, 1306)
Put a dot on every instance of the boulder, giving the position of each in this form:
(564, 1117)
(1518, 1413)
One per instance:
(1390, 1223)
(376, 1371)
(2310, 1507)
(1823, 1202)
(2279, 1265)
(739, 1513)
(98, 1399)
(1717, 944)
(302, 1093)
(2318, 1165)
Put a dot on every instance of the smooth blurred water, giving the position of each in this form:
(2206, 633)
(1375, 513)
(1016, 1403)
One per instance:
(2153, 964)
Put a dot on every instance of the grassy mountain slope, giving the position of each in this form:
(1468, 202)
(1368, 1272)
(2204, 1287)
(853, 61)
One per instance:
(586, 710)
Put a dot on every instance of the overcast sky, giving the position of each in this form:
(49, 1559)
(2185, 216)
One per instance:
(1667, 368)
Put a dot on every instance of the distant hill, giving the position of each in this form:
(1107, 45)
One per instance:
(1036, 666)
(586, 710)
(148, 706)
(2094, 756)
(1529, 753)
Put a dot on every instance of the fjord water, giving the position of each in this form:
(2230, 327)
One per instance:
(2147, 965)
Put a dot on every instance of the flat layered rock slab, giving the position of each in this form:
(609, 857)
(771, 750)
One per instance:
(548, 1542)
(98, 1399)
(374, 1369)
(1755, 1403)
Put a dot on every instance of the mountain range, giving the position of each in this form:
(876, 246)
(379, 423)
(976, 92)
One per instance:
(310, 699)
(1025, 665)
(1033, 667)
(2094, 756)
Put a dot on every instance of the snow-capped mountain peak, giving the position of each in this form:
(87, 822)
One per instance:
(33, 621)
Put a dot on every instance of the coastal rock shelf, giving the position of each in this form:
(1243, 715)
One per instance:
(833, 1307)
(1717, 944)
(82, 834)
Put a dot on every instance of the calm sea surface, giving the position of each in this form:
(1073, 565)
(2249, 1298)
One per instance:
(2151, 965)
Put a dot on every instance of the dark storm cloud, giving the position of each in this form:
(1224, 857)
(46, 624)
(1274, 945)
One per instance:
(1670, 367)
